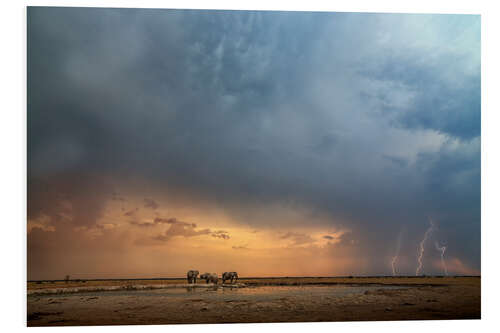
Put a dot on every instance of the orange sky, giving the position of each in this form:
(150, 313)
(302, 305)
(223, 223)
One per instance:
(137, 236)
(126, 242)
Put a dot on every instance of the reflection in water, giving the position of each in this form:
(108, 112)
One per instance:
(193, 289)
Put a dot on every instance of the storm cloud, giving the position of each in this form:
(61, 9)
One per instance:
(366, 122)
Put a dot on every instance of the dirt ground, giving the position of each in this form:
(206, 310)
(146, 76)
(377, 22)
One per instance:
(263, 300)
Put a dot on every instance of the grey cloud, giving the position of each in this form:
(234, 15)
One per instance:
(298, 238)
(142, 224)
(172, 220)
(131, 212)
(187, 230)
(396, 160)
(220, 234)
(116, 197)
(159, 221)
(180, 228)
(80, 198)
(150, 203)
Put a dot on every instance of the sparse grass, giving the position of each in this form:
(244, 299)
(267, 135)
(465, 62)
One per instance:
(98, 283)
(362, 280)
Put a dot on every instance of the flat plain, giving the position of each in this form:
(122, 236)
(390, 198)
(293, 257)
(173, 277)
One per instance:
(252, 300)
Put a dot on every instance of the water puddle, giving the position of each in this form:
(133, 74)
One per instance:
(235, 294)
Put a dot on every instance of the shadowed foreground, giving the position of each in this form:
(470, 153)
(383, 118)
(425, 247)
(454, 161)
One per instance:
(263, 300)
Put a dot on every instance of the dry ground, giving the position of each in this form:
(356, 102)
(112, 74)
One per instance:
(264, 300)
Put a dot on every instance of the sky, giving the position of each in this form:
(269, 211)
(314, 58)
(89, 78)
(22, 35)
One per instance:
(267, 143)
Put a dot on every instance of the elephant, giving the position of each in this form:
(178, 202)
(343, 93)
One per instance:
(192, 275)
(210, 277)
(233, 276)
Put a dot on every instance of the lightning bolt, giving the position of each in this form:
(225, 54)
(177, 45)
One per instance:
(442, 250)
(395, 258)
(393, 263)
(421, 247)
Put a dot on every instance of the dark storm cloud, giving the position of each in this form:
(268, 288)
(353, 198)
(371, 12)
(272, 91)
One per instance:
(451, 108)
(81, 197)
(373, 120)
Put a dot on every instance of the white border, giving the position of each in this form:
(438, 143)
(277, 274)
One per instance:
(13, 140)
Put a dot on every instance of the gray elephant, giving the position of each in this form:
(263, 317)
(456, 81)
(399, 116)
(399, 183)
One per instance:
(233, 276)
(210, 277)
(192, 275)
